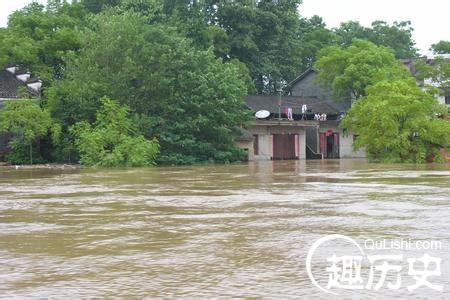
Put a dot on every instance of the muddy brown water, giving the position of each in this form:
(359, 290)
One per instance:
(208, 231)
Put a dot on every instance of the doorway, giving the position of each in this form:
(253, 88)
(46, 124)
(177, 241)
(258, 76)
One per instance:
(329, 144)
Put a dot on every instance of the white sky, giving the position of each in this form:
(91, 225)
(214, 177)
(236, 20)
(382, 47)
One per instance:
(8, 6)
(429, 18)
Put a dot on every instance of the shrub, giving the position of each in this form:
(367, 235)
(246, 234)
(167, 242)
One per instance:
(27, 122)
(111, 142)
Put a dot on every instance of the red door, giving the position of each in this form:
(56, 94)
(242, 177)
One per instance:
(284, 146)
(323, 144)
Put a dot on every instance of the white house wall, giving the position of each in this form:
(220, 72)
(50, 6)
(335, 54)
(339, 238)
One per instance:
(265, 147)
(346, 146)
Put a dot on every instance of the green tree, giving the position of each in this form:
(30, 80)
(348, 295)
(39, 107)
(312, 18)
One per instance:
(96, 6)
(438, 70)
(37, 37)
(349, 71)
(314, 36)
(397, 36)
(261, 34)
(27, 123)
(398, 122)
(112, 141)
(191, 101)
(264, 36)
(442, 47)
(348, 31)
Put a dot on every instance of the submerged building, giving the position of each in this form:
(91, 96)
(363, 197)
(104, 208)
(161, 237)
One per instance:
(301, 125)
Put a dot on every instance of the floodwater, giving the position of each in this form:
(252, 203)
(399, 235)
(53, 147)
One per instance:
(208, 231)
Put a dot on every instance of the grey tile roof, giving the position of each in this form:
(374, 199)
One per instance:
(270, 103)
(9, 85)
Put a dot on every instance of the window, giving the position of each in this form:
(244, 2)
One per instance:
(447, 99)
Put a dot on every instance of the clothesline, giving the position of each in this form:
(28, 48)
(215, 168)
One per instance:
(299, 107)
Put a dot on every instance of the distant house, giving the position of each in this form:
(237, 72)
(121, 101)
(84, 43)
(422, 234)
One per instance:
(303, 137)
(16, 83)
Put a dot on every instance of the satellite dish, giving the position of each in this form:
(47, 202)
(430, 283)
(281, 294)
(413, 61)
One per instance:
(262, 114)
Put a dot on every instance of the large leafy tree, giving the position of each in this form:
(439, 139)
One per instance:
(397, 36)
(350, 70)
(37, 37)
(188, 99)
(264, 36)
(398, 122)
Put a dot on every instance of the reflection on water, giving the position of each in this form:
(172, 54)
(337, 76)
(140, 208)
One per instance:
(204, 231)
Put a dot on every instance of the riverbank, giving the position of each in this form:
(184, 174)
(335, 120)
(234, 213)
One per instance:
(56, 166)
(42, 166)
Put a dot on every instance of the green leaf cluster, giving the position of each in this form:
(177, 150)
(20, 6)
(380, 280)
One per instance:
(111, 142)
(441, 47)
(397, 37)
(438, 70)
(398, 122)
(348, 71)
(27, 123)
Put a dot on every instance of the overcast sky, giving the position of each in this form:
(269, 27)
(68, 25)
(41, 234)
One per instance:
(430, 18)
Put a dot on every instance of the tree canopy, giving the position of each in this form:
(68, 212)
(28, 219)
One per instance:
(395, 120)
(397, 36)
(442, 47)
(314, 36)
(269, 37)
(348, 71)
(188, 99)
(38, 37)
(398, 122)
(438, 71)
